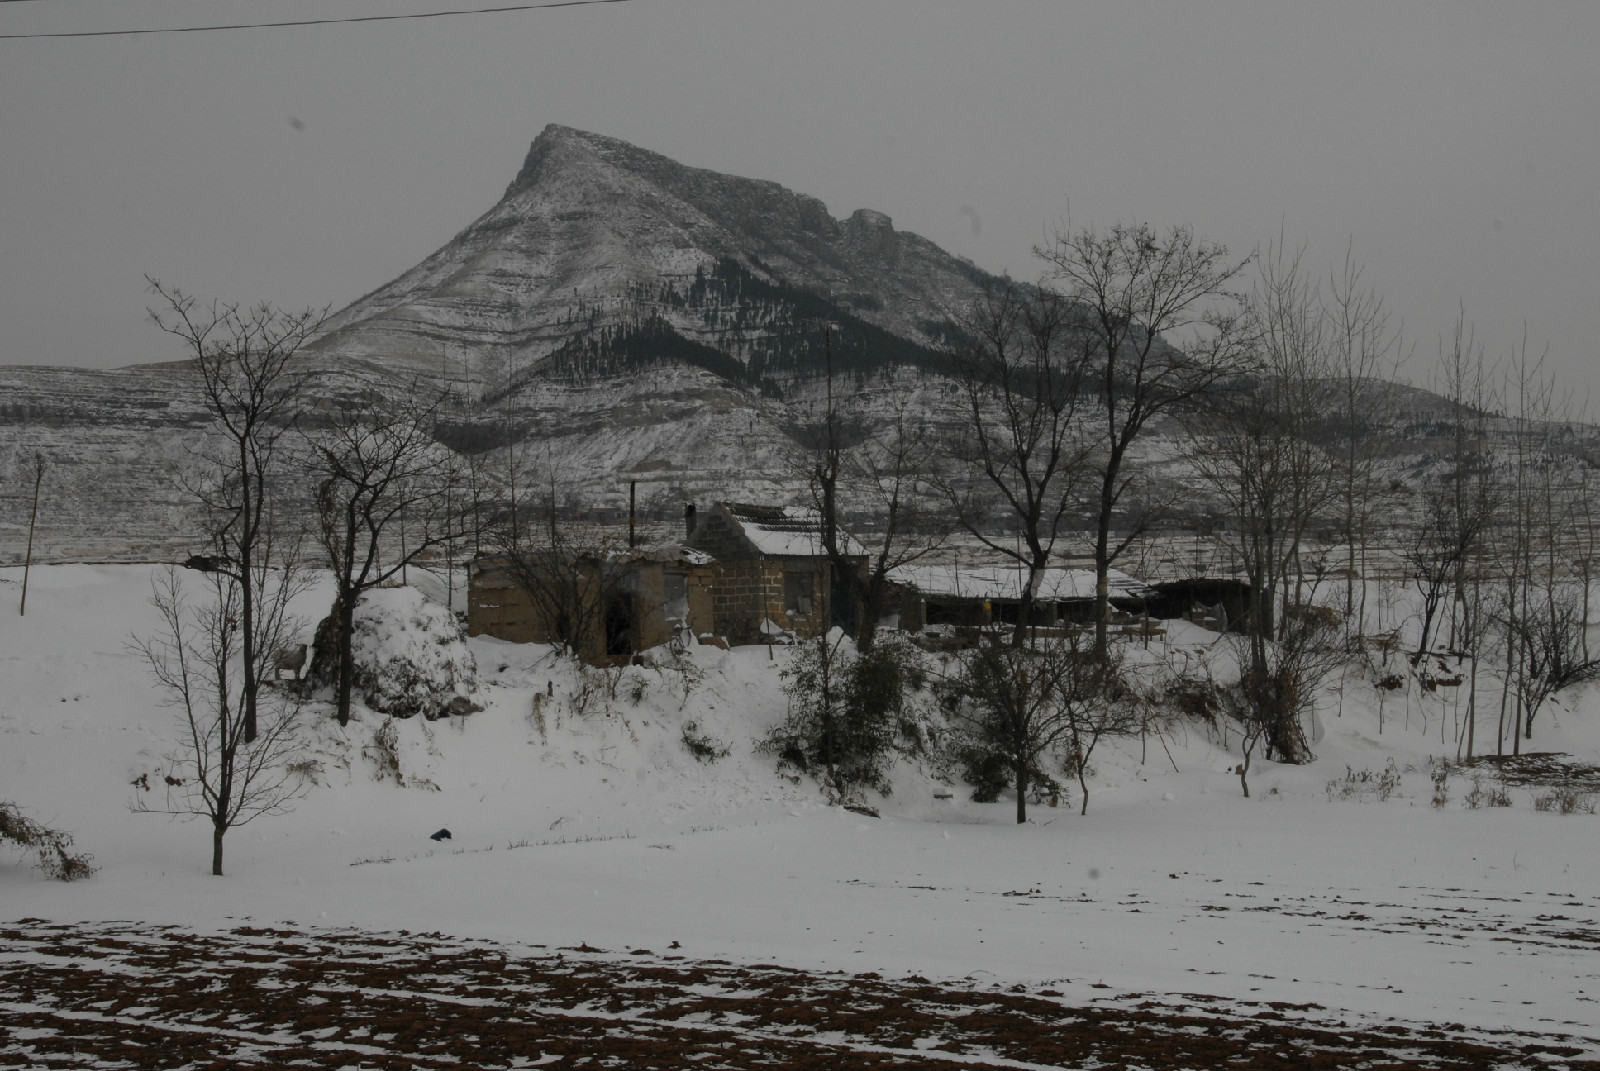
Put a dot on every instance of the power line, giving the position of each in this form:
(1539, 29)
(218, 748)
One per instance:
(306, 22)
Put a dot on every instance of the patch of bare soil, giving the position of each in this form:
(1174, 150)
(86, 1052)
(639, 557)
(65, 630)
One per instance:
(1540, 769)
(128, 995)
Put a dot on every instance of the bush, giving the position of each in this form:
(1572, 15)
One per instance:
(1358, 784)
(848, 711)
(988, 772)
(703, 747)
(384, 751)
(1022, 714)
(1441, 787)
(51, 845)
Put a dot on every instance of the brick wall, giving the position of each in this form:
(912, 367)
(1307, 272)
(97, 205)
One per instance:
(499, 608)
(742, 596)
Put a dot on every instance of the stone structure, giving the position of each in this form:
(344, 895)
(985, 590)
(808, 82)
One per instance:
(748, 574)
(629, 602)
(774, 574)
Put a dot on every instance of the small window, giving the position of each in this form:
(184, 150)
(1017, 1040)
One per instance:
(797, 589)
(675, 596)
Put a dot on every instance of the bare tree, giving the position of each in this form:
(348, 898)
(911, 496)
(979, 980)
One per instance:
(1100, 700)
(1459, 517)
(1126, 288)
(1276, 694)
(567, 573)
(881, 463)
(243, 358)
(1364, 351)
(214, 773)
(1449, 555)
(384, 499)
(1263, 446)
(1549, 637)
(1542, 611)
(1020, 386)
(1439, 555)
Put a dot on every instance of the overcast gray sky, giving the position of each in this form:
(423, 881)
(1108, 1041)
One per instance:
(1455, 143)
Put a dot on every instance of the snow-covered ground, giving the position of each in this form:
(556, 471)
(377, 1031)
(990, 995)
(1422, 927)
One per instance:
(601, 826)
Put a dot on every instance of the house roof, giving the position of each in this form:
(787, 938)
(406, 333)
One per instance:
(667, 554)
(1005, 582)
(786, 531)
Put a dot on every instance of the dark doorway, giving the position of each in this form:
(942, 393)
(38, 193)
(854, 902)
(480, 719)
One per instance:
(619, 625)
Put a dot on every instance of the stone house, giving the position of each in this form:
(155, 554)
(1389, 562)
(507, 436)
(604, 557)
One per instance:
(770, 573)
(607, 607)
(747, 574)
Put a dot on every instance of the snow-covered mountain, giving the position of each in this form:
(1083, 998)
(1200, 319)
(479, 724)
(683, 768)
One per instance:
(635, 318)
(622, 317)
(596, 236)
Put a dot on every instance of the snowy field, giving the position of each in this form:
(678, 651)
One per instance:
(602, 830)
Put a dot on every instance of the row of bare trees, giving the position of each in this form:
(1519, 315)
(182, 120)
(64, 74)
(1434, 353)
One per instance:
(1283, 379)
(1503, 554)
(365, 482)
(1058, 381)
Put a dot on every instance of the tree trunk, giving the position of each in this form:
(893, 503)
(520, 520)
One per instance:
(871, 610)
(217, 830)
(347, 660)
(1472, 707)
(249, 521)
(1102, 570)
(1022, 787)
(1030, 594)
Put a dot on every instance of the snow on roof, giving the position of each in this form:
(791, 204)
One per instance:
(1005, 582)
(787, 531)
(669, 554)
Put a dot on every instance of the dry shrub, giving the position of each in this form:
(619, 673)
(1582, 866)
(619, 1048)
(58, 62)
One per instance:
(1566, 800)
(50, 844)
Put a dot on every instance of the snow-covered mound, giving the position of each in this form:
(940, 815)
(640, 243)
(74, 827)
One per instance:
(411, 656)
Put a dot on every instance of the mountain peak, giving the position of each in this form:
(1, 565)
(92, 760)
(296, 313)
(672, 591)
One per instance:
(559, 145)
(596, 236)
(552, 141)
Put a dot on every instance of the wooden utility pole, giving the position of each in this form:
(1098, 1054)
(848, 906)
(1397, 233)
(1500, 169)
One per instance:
(27, 561)
(633, 487)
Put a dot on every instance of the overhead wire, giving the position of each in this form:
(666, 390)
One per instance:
(304, 22)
